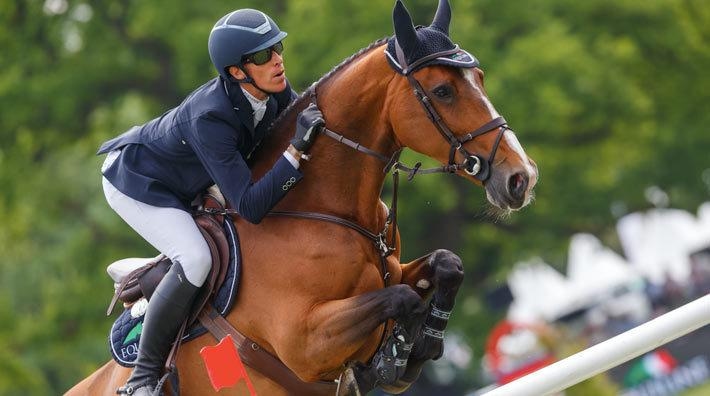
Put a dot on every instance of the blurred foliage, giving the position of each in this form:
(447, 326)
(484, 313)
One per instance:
(608, 96)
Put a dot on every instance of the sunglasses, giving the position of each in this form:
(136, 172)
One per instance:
(263, 56)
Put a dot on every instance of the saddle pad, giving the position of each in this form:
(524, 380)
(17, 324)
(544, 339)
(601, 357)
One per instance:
(124, 336)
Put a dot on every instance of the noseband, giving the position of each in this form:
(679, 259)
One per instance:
(472, 164)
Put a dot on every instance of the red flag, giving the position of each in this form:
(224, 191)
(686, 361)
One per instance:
(224, 366)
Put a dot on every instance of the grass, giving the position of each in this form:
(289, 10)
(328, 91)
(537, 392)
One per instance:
(702, 390)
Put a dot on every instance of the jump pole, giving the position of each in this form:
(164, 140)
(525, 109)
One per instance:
(610, 353)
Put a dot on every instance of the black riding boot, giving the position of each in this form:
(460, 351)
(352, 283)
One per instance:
(167, 309)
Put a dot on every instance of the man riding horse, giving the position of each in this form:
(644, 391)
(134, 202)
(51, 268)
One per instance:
(154, 171)
(340, 309)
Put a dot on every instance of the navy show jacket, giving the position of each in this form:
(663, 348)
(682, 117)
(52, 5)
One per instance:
(205, 140)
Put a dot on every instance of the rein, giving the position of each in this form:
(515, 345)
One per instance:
(473, 164)
(377, 239)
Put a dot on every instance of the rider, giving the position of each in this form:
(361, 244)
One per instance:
(153, 172)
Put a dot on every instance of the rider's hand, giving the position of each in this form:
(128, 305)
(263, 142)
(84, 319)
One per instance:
(308, 125)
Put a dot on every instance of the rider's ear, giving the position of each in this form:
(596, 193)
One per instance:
(236, 72)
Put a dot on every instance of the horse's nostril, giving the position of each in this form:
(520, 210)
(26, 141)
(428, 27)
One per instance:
(517, 185)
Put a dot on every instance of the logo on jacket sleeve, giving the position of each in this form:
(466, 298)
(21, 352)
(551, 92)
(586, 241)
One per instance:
(289, 183)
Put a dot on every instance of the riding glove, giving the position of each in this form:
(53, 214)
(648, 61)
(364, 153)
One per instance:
(308, 125)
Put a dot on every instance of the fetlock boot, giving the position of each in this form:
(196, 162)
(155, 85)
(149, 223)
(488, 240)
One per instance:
(168, 308)
(390, 362)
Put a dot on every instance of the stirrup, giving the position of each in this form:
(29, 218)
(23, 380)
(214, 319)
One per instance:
(132, 389)
(347, 384)
(156, 390)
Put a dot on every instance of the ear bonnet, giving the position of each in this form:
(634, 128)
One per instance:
(423, 46)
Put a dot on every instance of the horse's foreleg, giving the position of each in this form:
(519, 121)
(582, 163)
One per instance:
(441, 273)
(448, 275)
(340, 329)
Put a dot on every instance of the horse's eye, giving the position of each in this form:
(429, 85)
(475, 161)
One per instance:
(443, 92)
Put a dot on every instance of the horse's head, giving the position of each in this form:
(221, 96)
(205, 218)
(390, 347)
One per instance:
(450, 117)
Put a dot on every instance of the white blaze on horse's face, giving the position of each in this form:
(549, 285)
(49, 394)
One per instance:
(471, 78)
(514, 154)
(508, 136)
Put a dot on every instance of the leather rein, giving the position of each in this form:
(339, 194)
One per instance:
(472, 164)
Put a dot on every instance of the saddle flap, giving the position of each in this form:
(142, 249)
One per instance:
(213, 231)
(217, 241)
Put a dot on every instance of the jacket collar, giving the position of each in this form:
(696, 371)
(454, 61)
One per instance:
(240, 104)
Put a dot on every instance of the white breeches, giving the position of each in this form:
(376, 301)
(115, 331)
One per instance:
(173, 232)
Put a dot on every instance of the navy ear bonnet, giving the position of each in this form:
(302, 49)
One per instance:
(421, 45)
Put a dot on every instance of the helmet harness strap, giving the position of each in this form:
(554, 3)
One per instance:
(248, 80)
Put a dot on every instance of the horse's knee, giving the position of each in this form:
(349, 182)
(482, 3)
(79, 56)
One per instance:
(448, 268)
(406, 303)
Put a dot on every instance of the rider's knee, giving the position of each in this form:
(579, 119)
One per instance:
(197, 264)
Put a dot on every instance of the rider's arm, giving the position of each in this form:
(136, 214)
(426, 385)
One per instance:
(216, 145)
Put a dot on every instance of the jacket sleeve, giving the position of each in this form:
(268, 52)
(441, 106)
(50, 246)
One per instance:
(216, 145)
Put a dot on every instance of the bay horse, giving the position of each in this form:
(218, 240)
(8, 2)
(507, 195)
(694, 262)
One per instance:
(323, 289)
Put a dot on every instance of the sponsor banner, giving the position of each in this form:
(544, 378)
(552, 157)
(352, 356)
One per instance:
(670, 370)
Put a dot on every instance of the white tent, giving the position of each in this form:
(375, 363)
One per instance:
(593, 272)
(703, 237)
(600, 275)
(659, 241)
(594, 269)
(539, 292)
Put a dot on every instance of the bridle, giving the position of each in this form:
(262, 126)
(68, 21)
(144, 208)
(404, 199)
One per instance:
(472, 164)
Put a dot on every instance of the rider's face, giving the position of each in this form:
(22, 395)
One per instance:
(270, 76)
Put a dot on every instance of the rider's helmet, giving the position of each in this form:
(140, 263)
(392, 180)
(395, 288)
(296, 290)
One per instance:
(239, 33)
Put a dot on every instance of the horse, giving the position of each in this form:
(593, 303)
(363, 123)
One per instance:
(323, 289)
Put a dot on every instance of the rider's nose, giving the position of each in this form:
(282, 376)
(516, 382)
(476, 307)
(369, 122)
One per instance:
(276, 57)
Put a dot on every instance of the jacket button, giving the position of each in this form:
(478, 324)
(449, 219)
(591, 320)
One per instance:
(183, 142)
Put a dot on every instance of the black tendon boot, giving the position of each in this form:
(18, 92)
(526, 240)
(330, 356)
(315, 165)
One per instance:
(390, 361)
(167, 309)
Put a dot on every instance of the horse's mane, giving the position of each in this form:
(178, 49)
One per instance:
(280, 127)
(310, 91)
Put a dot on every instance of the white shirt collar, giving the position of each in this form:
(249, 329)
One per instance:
(258, 106)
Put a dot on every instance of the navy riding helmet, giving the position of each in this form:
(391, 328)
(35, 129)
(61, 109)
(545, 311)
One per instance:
(239, 33)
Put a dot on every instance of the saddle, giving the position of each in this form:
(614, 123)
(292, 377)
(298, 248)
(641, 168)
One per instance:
(138, 277)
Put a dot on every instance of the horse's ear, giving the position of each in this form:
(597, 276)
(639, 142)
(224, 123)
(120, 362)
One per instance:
(442, 19)
(404, 29)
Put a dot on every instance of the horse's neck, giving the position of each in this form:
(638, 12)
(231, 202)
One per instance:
(339, 180)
